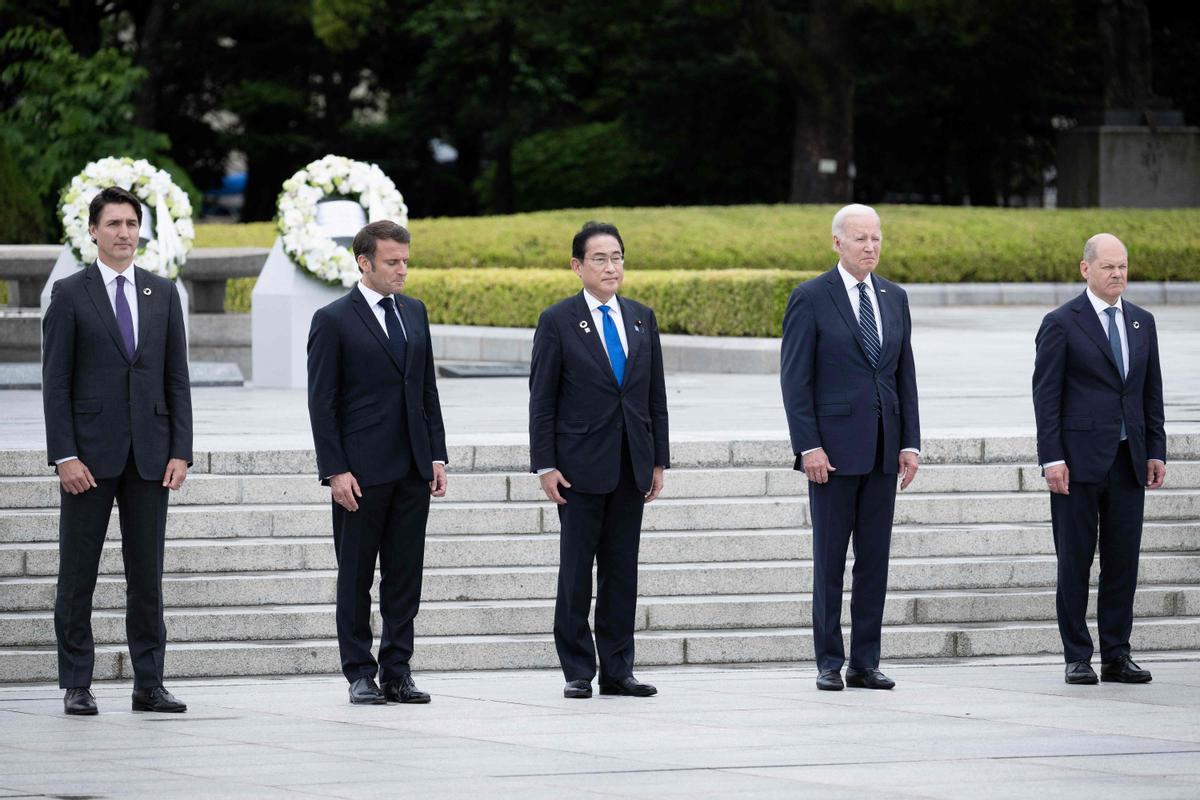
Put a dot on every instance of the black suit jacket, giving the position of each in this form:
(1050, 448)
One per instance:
(831, 393)
(99, 403)
(1080, 400)
(361, 401)
(577, 412)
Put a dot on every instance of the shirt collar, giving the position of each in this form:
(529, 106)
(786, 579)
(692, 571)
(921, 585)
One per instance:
(852, 282)
(593, 303)
(1100, 305)
(373, 297)
(109, 274)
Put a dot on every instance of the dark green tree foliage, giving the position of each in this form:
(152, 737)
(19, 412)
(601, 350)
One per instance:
(22, 220)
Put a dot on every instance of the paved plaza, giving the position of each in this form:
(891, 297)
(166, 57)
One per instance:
(949, 730)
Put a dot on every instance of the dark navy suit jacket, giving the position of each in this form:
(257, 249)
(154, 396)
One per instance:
(362, 402)
(1079, 399)
(831, 393)
(577, 412)
(99, 402)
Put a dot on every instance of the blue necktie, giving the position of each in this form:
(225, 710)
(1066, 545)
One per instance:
(866, 324)
(394, 330)
(612, 341)
(1114, 341)
(124, 317)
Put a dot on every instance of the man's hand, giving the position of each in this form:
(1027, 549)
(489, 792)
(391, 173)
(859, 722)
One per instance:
(1058, 478)
(437, 486)
(345, 489)
(75, 477)
(908, 468)
(1156, 473)
(817, 466)
(656, 483)
(550, 483)
(176, 472)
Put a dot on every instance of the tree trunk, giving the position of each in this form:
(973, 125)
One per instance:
(504, 199)
(150, 34)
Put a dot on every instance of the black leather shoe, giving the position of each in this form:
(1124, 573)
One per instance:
(1123, 670)
(1080, 672)
(578, 690)
(365, 692)
(830, 681)
(868, 679)
(403, 690)
(157, 699)
(80, 701)
(628, 686)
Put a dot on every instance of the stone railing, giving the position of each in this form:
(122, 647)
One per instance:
(27, 266)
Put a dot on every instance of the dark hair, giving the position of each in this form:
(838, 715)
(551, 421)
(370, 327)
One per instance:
(366, 239)
(109, 196)
(592, 228)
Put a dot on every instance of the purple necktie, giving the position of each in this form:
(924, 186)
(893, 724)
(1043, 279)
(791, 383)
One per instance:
(124, 318)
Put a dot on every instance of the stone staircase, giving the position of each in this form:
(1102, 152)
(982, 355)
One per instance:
(725, 563)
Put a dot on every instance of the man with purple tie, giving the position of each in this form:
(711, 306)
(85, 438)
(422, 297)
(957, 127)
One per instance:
(118, 408)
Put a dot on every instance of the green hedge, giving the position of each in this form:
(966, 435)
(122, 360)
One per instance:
(922, 243)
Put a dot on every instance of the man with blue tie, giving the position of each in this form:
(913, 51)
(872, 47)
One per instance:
(381, 448)
(118, 428)
(1098, 401)
(850, 395)
(598, 442)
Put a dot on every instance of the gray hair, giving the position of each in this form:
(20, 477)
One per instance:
(1093, 244)
(852, 210)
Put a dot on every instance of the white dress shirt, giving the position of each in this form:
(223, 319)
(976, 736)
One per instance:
(851, 284)
(373, 297)
(110, 286)
(598, 318)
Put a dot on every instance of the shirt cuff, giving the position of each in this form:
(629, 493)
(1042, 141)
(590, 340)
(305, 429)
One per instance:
(910, 450)
(544, 470)
(810, 450)
(58, 461)
(1159, 460)
(443, 463)
(1050, 464)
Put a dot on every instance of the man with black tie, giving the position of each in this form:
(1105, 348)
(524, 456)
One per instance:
(850, 394)
(381, 448)
(1097, 397)
(118, 410)
(598, 442)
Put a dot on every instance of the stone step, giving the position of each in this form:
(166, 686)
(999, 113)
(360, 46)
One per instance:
(501, 617)
(202, 522)
(524, 651)
(218, 490)
(264, 554)
(520, 583)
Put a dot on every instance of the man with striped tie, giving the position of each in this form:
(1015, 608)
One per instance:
(850, 394)
(598, 443)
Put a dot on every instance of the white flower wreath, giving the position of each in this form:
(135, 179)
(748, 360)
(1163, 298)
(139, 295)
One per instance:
(333, 177)
(173, 231)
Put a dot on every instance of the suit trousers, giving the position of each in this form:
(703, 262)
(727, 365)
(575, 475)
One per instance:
(605, 529)
(389, 526)
(858, 509)
(83, 524)
(1109, 511)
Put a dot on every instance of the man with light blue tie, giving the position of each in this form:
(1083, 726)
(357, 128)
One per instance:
(1097, 398)
(598, 442)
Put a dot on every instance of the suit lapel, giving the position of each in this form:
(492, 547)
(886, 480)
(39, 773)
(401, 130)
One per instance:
(367, 315)
(95, 289)
(634, 332)
(410, 332)
(889, 311)
(593, 339)
(144, 302)
(837, 292)
(1089, 322)
(1133, 335)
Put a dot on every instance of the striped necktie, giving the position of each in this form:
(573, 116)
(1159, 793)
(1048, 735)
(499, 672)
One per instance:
(866, 325)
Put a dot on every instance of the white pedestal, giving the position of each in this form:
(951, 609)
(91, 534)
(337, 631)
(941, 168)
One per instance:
(281, 310)
(66, 265)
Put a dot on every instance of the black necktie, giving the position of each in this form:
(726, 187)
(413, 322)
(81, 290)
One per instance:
(395, 330)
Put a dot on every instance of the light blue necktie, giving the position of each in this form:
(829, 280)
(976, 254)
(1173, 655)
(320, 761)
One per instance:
(612, 341)
(866, 324)
(1114, 341)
